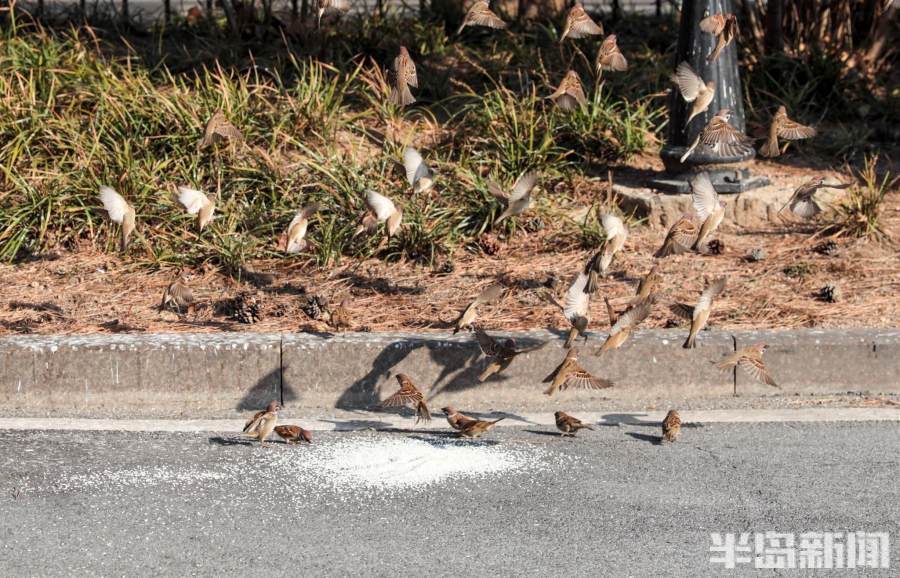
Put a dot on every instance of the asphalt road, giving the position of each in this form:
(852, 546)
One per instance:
(613, 502)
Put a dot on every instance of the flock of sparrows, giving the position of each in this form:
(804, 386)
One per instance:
(689, 234)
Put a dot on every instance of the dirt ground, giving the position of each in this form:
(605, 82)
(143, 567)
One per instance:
(88, 292)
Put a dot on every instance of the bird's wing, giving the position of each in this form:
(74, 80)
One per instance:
(253, 422)
(409, 73)
(805, 208)
(689, 82)
(617, 61)
(497, 191)
(192, 199)
(303, 214)
(613, 225)
(682, 310)
(114, 203)
(382, 206)
(579, 25)
(483, 16)
(412, 162)
(577, 301)
(523, 187)
(632, 317)
(710, 293)
(683, 233)
(792, 130)
(714, 24)
(757, 369)
(705, 198)
(580, 378)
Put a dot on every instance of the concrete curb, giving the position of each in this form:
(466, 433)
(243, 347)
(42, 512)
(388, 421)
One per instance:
(155, 374)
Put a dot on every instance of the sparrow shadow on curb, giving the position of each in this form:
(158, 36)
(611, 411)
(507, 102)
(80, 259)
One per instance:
(223, 441)
(655, 440)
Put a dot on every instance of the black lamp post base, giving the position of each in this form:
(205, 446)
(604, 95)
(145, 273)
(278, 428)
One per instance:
(725, 176)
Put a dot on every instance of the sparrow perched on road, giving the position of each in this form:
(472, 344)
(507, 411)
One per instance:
(803, 202)
(488, 295)
(750, 360)
(709, 210)
(699, 313)
(723, 27)
(518, 200)
(693, 89)
(219, 129)
(579, 24)
(293, 434)
(500, 353)
(295, 239)
(610, 57)
(402, 75)
(721, 138)
(197, 203)
(329, 6)
(478, 427)
(480, 14)
(671, 426)
(569, 373)
(784, 127)
(263, 422)
(569, 95)
(616, 233)
(679, 239)
(380, 210)
(178, 296)
(119, 212)
(419, 174)
(624, 324)
(569, 425)
(457, 420)
(648, 286)
(408, 393)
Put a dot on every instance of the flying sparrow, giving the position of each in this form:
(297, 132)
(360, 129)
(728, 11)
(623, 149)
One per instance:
(803, 202)
(709, 210)
(457, 420)
(721, 138)
(616, 233)
(671, 426)
(219, 129)
(610, 57)
(569, 373)
(263, 422)
(518, 200)
(477, 428)
(178, 296)
(783, 127)
(119, 212)
(401, 76)
(196, 203)
(579, 24)
(624, 324)
(488, 295)
(380, 210)
(723, 27)
(699, 313)
(648, 286)
(293, 434)
(408, 393)
(329, 6)
(750, 360)
(480, 14)
(569, 425)
(577, 308)
(419, 174)
(693, 89)
(295, 239)
(569, 95)
(679, 239)
(500, 353)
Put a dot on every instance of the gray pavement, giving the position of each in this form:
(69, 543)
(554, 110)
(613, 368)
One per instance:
(524, 502)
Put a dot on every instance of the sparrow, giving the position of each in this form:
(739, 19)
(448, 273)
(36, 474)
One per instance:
(648, 286)
(380, 210)
(457, 420)
(401, 76)
(616, 233)
(488, 295)
(722, 26)
(196, 203)
(671, 426)
(576, 308)
(569, 425)
(569, 373)
(408, 393)
(623, 325)
(783, 127)
(329, 6)
(293, 434)
(295, 238)
(500, 353)
(699, 313)
(480, 14)
(219, 129)
(803, 202)
(263, 422)
(569, 95)
(579, 24)
(679, 239)
(518, 201)
(609, 56)
(693, 89)
(419, 175)
(119, 212)
(707, 206)
(477, 428)
(721, 138)
(177, 296)
(750, 360)
(340, 316)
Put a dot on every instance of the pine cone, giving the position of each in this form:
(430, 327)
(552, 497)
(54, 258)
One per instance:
(715, 247)
(489, 244)
(534, 224)
(830, 293)
(827, 248)
(245, 308)
(314, 307)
